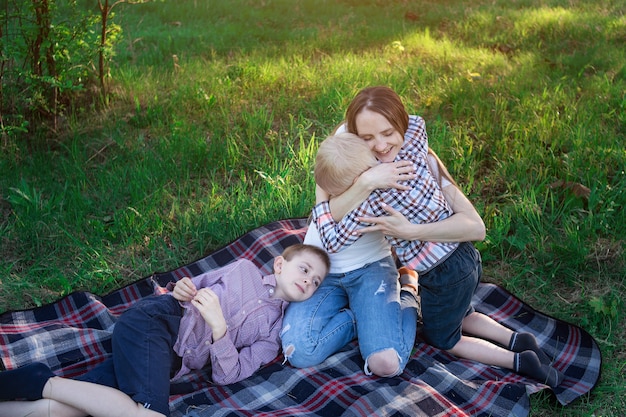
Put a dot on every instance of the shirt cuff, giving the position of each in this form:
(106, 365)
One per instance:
(320, 210)
(222, 345)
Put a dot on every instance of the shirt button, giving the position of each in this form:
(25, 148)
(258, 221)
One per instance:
(243, 312)
(207, 343)
(259, 301)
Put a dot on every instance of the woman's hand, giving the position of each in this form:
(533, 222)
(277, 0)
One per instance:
(465, 225)
(394, 225)
(208, 304)
(184, 290)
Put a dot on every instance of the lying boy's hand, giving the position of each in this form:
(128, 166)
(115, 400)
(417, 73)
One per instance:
(184, 290)
(208, 304)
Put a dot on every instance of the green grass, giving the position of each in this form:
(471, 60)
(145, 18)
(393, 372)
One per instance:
(525, 101)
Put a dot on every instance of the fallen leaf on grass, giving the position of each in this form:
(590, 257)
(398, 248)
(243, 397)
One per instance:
(576, 188)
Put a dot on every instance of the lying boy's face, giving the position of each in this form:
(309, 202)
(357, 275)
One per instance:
(300, 276)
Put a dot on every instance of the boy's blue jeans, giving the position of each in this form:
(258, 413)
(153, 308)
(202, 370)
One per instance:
(365, 303)
(142, 343)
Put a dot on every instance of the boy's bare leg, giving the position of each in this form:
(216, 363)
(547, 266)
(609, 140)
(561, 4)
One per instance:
(39, 408)
(485, 327)
(70, 398)
(483, 351)
(95, 400)
(526, 362)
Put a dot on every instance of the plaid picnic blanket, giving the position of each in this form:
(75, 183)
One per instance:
(73, 334)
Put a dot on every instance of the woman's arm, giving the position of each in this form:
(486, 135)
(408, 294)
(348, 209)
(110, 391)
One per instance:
(464, 225)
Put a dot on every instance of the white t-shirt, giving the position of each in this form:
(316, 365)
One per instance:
(370, 247)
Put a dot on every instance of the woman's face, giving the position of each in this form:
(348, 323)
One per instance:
(383, 139)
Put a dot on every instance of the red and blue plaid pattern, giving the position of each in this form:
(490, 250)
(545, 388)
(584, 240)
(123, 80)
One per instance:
(73, 334)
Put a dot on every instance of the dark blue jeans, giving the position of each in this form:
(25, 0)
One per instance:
(143, 356)
(446, 292)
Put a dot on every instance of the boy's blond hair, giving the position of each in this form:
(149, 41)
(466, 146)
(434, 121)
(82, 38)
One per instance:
(301, 248)
(340, 159)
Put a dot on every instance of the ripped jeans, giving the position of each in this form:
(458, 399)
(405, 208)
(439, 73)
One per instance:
(366, 303)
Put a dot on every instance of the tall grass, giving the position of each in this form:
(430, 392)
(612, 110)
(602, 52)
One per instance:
(219, 107)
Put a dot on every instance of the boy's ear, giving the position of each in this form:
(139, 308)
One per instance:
(278, 264)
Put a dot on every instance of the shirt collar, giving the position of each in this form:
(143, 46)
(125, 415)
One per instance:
(269, 282)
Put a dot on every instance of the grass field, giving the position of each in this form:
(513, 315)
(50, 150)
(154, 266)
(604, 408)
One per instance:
(218, 108)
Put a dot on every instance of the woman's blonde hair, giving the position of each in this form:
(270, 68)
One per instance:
(340, 160)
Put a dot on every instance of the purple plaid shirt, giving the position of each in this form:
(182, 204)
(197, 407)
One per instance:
(254, 322)
(423, 203)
